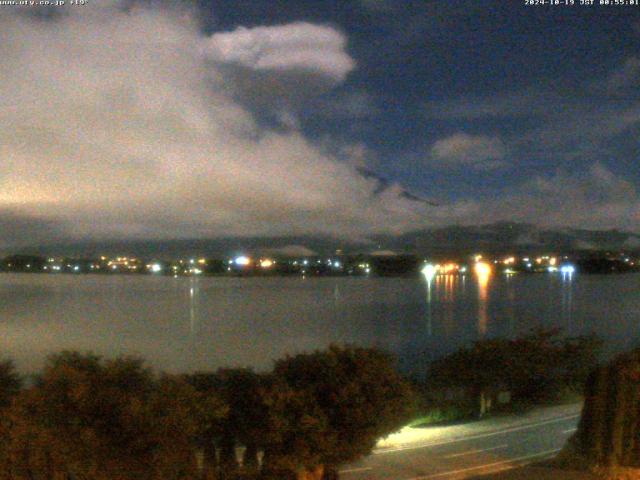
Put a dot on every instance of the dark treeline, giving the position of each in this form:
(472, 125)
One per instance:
(89, 418)
(598, 264)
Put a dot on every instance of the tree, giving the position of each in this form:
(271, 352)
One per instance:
(533, 367)
(89, 418)
(609, 429)
(579, 356)
(343, 400)
(297, 434)
(245, 415)
(10, 383)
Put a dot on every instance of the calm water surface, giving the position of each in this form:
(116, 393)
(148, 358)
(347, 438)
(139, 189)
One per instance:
(186, 324)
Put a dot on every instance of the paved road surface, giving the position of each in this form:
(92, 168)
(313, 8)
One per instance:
(468, 450)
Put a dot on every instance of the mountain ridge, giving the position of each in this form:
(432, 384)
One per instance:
(501, 237)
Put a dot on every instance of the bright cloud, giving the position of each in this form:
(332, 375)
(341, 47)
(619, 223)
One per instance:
(302, 47)
(274, 71)
(125, 124)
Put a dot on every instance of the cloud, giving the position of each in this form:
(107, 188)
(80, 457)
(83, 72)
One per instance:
(298, 47)
(15, 227)
(556, 122)
(133, 124)
(275, 71)
(477, 151)
(625, 77)
(593, 198)
(124, 124)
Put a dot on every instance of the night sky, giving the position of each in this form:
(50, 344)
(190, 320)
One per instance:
(149, 120)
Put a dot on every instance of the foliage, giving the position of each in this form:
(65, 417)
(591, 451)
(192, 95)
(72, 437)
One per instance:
(579, 356)
(317, 409)
(348, 398)
(297, 436)
(10, 383)
(440, 415)
(95, 419)
(608, 433)
(244, 418)
(533, 368)
(88, 418)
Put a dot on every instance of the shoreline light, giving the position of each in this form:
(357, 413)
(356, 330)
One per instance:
(568, 269)
(429, 271)
(449, 268)
(242, 261)
(155, 268)
(482, 269)
(266, 263)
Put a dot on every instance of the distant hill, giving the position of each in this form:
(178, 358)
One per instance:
(451, 240)
(514, 237)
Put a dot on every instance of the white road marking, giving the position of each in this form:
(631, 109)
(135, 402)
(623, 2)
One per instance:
(354, 470)
(474, 437)
(471, 452)
(571, 430)
(488, 465)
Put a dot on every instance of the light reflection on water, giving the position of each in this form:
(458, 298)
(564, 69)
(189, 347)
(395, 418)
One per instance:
(195, 323)
(483, 278)
(428, 307)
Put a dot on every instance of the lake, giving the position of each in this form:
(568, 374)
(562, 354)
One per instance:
(202, 323)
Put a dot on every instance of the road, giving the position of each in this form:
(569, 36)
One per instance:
(469, 450)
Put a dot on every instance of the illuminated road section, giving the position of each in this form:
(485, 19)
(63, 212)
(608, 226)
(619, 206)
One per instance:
(469, 450)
